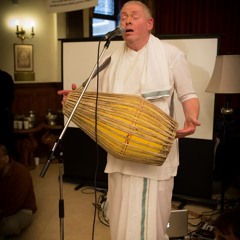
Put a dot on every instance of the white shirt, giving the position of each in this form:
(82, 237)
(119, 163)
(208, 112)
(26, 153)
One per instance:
(126, 76)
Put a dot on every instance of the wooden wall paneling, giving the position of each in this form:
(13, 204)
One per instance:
(38, 97)
(22, 101)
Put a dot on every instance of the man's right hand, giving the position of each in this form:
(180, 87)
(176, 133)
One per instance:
(65, 93)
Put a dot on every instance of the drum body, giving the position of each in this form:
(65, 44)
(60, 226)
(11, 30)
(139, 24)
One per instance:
(127, 126)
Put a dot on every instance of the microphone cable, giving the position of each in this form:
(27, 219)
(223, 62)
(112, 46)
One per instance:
(96, 141)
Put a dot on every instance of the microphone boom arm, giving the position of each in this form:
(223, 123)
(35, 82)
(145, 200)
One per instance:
(86, 84)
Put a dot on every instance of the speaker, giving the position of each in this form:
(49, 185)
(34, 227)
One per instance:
(84, 160)
(195, 172)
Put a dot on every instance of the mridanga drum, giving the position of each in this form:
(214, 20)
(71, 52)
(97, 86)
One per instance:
(128, 126)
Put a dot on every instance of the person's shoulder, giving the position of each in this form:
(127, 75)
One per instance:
(5, 79)
(19, 167)
(169, 47)
(173, 53)
(20, 175)
(4, 74)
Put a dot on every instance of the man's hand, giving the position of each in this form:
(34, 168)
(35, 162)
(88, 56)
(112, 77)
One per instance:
(191, 112)
(65, 93)
(189, 128)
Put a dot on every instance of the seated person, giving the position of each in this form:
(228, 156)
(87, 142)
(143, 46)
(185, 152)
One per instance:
(227, 225)
(6, 115)
(17, 198)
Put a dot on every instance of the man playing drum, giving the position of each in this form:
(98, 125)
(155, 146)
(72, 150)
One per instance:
(139, 195)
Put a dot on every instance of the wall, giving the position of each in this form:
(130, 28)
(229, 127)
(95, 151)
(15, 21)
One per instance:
(48, 28)
(37, 97)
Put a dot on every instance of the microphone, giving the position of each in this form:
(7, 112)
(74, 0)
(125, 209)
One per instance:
(119, 30)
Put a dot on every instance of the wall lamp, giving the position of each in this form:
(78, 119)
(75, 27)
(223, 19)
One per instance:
(21, 33)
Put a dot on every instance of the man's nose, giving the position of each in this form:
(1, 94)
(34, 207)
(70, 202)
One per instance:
(129, 20)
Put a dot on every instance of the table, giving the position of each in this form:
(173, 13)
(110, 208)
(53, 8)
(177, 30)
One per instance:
(27, 144)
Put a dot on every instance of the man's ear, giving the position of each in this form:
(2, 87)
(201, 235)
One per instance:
(150, 24)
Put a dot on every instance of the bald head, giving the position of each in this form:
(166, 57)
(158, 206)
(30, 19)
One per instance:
(145, 8)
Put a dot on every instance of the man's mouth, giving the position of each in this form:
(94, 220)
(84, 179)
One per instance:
(128, 30)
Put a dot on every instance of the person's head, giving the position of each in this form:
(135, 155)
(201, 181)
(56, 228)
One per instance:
(227, 225)
(138, 23)
(4, 157)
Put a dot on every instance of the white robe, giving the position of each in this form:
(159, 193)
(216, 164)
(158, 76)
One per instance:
(145, 73)
(136, 190)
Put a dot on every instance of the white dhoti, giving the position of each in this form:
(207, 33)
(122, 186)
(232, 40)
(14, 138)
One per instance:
(139, 208)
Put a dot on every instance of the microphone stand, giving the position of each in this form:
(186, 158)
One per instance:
(56, 151)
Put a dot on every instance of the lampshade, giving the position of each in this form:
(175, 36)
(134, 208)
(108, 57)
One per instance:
(226, 75)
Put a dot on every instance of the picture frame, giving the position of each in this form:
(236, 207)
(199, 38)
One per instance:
(23, 57)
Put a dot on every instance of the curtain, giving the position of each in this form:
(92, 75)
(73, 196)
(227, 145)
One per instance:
(211, 17)
(207, 17)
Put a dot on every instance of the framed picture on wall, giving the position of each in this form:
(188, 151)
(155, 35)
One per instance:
(23, 57)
